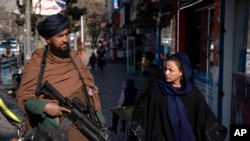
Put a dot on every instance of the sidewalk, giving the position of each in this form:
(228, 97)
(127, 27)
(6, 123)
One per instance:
(109, 83)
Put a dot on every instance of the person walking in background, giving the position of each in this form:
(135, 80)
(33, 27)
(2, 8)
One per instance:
(177, 110)
(127, 98)
(150, 73)
(8, 54)
(101, 51)
(66, 72)
(92, 60)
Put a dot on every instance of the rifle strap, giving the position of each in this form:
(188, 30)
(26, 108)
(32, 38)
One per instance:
(84, 86)
(40, 77)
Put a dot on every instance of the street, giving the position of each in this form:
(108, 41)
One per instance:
(109, 82)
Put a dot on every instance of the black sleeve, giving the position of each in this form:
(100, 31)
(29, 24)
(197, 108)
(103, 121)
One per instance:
(145, 73)
(201, 117)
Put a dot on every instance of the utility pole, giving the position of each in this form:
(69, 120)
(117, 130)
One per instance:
(27, 48)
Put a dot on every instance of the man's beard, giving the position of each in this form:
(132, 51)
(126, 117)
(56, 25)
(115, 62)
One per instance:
(59, 52)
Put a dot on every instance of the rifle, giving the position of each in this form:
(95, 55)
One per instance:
(86, 124)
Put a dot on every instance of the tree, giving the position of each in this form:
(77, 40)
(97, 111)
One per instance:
(93, 22)
(75, 12)
(20, 6)
(93, 11)
(94, 18)
(20, 20)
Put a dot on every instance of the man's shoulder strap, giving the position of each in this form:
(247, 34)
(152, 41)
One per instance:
(40, 77)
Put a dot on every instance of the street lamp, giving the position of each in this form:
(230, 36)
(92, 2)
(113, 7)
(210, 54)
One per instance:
(82, 31)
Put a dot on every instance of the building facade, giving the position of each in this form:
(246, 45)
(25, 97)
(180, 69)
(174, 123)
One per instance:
(215, 35)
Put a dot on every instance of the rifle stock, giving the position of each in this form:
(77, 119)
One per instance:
(85, 124)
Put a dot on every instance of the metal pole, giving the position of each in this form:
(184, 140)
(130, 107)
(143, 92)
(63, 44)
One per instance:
(27, 50)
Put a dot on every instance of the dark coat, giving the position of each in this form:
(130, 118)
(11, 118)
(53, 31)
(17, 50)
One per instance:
(149, 75)
(157, 122)
(130, 93)
(92, 59)
(101, 51)
(179, 113)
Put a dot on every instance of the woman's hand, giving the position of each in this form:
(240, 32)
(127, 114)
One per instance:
(53, 109)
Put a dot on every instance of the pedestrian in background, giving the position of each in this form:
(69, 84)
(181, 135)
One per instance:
(150, 73)
(177, 110)
(127, 98)
(101, 51)
(8, 54)
(92, 60)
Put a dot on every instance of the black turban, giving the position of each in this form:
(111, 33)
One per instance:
(53, 25)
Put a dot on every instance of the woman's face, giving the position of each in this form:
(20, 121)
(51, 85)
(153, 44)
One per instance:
(173, 73)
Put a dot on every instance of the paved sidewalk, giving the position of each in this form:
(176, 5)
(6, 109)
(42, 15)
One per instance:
(109, 83)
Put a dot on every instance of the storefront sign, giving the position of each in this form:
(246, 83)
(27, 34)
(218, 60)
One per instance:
(149, 41)
(45, 7)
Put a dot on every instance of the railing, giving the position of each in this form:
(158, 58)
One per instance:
(240, 104)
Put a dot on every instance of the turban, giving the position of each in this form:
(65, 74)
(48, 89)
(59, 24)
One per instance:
(53, 25)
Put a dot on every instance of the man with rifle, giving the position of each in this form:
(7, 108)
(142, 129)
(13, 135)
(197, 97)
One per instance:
(78, 111)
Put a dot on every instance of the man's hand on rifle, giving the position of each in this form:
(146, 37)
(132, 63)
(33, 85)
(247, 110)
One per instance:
(53, 109)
